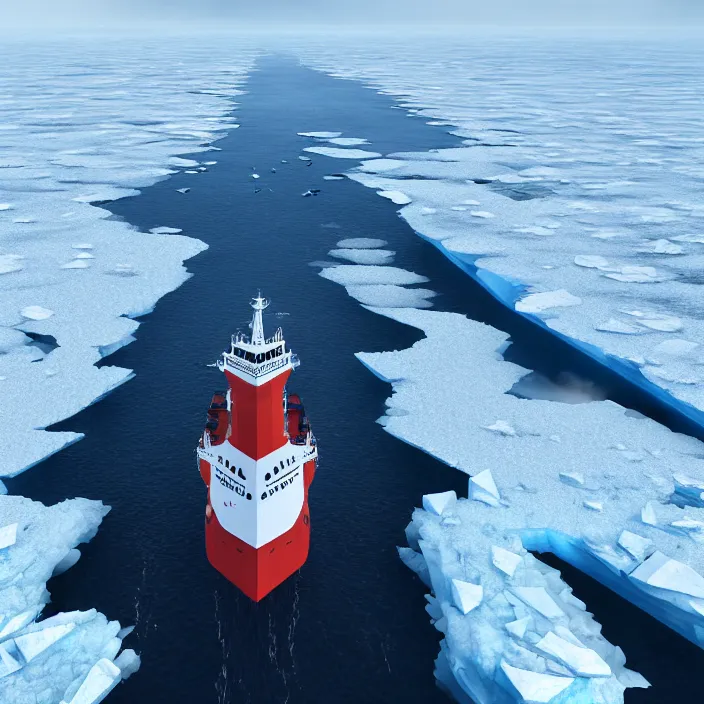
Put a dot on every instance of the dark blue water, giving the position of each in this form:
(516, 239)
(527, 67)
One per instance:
(350, 627)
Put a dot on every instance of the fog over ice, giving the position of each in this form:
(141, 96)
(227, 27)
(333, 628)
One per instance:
(358, 13)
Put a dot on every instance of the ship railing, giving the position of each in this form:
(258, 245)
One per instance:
(257, 369)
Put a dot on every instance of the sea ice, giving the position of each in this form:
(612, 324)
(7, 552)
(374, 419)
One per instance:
(361, 243)
(395, 197)
(54, 169)
(46, 661)
(363, 256)
(621, 179)
(320, 135)
(336, 153)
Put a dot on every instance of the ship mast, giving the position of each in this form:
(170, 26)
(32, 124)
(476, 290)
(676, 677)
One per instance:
(259, 304)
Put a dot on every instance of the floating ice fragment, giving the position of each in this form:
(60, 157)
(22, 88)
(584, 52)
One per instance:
(428, 211)
(483, 488)
(165, 230)
(76, 264)
(466, 596)
(395, 197)
(675, 348)
(183, 190)
(438, 503)
(593, 505)
(539, 599)
(655, 321)
(348, 141)
(5, 206)
(85, 255)
(505, 560)
(255, 175)
(535, 687)
(582, 661)
(539, 302)
(101, 680)
(82, 245)
(663, 572)
(361, 243)
(320, 135)
(8, 664)
(364, 256)
(8, 536)
(339, 153)
(32, 644)
(36, 313)
(178, 161)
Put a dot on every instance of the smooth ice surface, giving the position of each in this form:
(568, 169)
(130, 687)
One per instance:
(363, 256)
(335, 153)
(550, 191)
(395, 197)
(361, 243)
(46, 661)
(320, 135)
(101, 680)
(466, 596)
(71, 139)
(350, 275)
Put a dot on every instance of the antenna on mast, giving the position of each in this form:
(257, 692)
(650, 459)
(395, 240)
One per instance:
(259, 304)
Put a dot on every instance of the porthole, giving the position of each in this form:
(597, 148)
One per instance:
(276, 470)
(267, 477)
(249, 496)
(227, 463)
(263, 496)
(305, 518)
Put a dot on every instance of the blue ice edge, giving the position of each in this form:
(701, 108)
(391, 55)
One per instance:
(508, 292)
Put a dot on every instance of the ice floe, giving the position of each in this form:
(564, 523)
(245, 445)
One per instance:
(122, 123)
(598, 197)
(61, 658)
(337, 153)
(591, 483)
(361, 243)
(363, 256)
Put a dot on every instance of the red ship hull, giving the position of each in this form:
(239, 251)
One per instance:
(256, 572)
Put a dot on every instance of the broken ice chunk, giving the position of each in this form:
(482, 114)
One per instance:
(466, 596)
(483, 488)
(518, 628)
(8, 536)
(539, 599)
(438, 503)
(647, 514)
(505, 560)
(572, 478)
(165, 230)
(636, 545)
(10, 263)
(535, 687)
(594, 505)
(320, 135)
(663, 572)
(539, 302)
(582, 661)
(32, 644)
(101, 679)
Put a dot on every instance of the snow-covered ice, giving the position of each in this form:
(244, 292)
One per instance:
(363, 256)
(361, 243)
(55, 659)
(320, 135)
(72, 138)
(340, 153)
(598, 197)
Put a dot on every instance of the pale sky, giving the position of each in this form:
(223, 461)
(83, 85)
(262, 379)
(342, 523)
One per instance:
(366, 13)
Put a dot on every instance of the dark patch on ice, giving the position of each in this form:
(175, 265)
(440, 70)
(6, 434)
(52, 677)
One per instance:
(563, 387)
(45, 343)
(522, 192)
